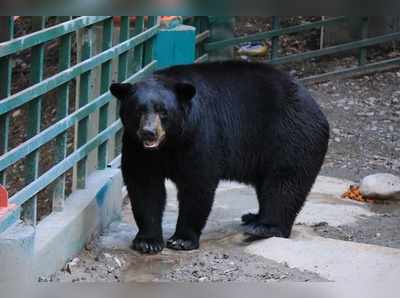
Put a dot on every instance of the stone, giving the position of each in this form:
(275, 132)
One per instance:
(381, 186)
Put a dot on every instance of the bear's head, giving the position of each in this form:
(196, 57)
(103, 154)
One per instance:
(154, 110)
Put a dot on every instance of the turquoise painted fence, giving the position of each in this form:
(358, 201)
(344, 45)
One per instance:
(102, 46)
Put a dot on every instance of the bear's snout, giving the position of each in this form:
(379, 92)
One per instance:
(151, 132)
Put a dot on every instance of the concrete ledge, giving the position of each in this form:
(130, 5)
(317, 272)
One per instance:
(62, 235)
(336, 260)
(28, 253)
(16, 253)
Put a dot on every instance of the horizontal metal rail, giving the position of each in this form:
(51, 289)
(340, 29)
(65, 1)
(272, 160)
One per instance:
(42, 36)
(273, 33)
(24, 96)
(337, 49)
(51, 132)
(201, 59)
(202, 36)
(44, 180)
(355, 70)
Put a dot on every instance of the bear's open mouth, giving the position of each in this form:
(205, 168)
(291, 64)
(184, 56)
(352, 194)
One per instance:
(153, 144)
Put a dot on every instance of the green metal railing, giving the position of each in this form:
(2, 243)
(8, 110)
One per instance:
(134, 59)
(278, 31)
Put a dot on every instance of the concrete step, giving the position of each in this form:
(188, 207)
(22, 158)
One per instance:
(335, 260)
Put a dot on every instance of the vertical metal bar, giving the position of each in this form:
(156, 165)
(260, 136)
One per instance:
(34, 107)
(275, 40)
(221, 28)
(322, 34)
(149, 44)
(204, 26)
(6, 33)
(197, 24)
(105, 83)
(64, 58)
(122, 74)
(123, 58)
(362, 56)
(84, 94)
(135, 63)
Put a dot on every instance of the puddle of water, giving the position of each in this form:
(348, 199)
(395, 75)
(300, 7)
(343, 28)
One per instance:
(148, 268)
(145, 268)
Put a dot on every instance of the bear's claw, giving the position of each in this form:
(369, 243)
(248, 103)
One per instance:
(147, 246)
(181, 244)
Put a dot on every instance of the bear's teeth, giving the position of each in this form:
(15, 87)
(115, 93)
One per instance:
(150, 144)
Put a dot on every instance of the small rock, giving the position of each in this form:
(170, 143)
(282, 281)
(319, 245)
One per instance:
(118, 262)
(69, 266)
(381, 186)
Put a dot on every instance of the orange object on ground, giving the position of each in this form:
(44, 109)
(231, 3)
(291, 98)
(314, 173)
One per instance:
(354, 194)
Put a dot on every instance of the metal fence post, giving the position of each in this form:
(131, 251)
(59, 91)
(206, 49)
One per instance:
(149, 44)
(122, 75)
(61, 112)
(6, 33)
(362, 57)
(105, 83)
(83, 99)
(221, 28)
(34, 109)
(275, 39)
(136, 60)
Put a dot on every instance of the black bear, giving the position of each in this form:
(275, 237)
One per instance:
(202, 123)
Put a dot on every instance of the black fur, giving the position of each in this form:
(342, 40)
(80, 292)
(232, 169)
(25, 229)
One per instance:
(240, 121)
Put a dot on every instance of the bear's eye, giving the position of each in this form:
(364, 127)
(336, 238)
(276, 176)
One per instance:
(160, 110)
(140, 109)
(163, 113)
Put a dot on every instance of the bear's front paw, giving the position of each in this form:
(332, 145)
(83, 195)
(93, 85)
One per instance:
(182, 244)
(147, 245)
(260, 231)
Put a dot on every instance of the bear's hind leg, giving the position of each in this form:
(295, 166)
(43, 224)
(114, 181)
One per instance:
(194, 208)
(279, 203)
(249, 218)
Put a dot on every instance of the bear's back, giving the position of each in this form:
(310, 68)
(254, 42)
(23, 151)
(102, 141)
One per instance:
(249, 112)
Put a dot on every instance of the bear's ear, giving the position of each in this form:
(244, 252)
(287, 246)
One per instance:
(122, 91)
(185, 92)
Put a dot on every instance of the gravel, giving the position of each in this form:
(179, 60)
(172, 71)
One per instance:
(382, 229)
(225, 265)
(364, 115)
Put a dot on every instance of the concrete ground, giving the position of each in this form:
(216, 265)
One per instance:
(309, 255)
